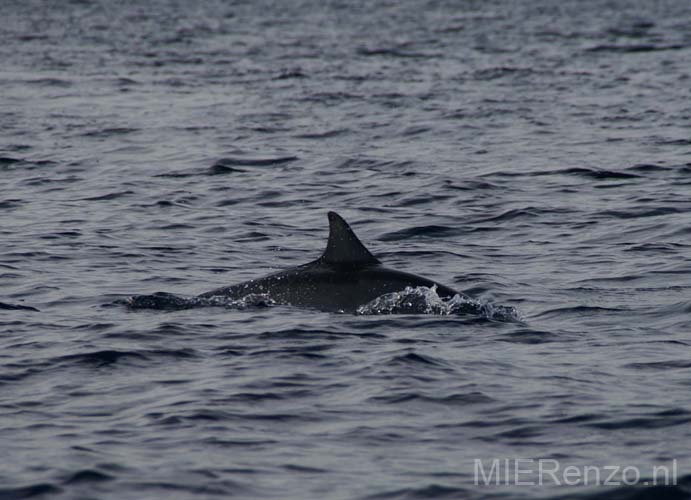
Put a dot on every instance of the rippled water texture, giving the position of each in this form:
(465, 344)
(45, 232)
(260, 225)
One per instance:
(530, 154)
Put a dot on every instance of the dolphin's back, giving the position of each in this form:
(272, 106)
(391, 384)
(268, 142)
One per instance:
(330, 288)
(344, 278)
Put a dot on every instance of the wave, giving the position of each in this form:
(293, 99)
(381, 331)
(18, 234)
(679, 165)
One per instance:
(424, 300)
(645, 489)
(423, 492)
(30, 491)
(17, 307)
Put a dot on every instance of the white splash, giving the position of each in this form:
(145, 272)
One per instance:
(424, 300)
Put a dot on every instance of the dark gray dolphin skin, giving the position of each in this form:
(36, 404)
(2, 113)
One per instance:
(344, 278)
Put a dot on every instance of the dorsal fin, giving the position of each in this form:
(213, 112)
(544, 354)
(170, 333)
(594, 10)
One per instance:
(344, 248)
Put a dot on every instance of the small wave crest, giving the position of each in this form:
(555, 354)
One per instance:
(424, 300)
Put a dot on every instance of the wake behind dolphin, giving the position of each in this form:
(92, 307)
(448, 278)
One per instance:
(346, 278)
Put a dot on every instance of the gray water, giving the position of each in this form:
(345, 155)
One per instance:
(531, 154)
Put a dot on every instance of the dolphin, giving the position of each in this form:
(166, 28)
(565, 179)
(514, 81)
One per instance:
(345, 277)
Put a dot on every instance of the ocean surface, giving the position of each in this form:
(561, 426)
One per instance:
(533, 154)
